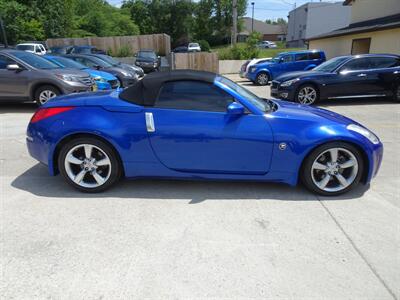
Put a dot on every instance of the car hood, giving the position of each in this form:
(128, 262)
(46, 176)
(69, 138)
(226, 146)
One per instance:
(96, 73)
(300, 74)
(309, 114)
(73, 72)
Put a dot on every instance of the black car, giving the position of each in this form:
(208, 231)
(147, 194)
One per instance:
(181, 49)
(359, 76)
(148, 61)
(125, 78)
(86, 50)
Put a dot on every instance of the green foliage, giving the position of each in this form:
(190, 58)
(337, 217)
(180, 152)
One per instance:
(38, 19)
(124, 51)
(204, 45)
(186, 20)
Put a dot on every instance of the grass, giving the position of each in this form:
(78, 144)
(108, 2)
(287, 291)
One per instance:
(224, 50)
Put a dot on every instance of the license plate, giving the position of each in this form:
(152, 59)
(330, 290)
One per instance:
(94, 88)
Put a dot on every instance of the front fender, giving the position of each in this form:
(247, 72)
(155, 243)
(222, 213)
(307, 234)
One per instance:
(299, 144)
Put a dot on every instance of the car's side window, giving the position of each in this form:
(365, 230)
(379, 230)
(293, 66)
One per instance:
(301, 56)
(193, 95)
(5, 61)
(286, 58)
(357, 64)
(315, 55)
(383, 62)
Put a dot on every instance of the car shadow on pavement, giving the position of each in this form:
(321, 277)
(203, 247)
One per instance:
(37, 182)
(7, 108)
(354, 102)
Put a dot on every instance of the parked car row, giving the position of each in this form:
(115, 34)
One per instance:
(26, 76)
(305, 77)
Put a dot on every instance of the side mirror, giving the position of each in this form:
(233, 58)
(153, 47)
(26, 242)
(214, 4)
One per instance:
(13, 67)
(159, 57)
(235, 109)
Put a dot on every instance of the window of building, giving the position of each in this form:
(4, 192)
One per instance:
(360, 46)
(193, 95)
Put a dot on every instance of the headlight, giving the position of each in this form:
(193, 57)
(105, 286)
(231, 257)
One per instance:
(67, 77)
(289, 82)
(364, 132)
(100, 79)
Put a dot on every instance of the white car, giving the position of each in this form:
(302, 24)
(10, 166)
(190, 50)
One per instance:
(246, 66)
(35, 48)
(194, 47)
(267, 45)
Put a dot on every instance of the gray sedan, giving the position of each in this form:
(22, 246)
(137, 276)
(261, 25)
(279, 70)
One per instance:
(28, 77)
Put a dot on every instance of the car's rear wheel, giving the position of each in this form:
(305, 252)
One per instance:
(89, 165)
(396, 95)
(307, 94)
(44, 93)
(262, 78)
(332, 169)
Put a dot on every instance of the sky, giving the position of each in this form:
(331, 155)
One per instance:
(264, 9)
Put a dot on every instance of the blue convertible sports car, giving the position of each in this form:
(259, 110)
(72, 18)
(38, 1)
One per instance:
(198, 125)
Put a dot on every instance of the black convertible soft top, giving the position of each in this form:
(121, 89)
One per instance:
(145, 91)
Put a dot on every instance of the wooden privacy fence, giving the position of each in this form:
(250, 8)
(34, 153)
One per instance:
(161, 43)
(203, 61)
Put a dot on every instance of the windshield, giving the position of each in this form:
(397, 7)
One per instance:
(25, 47)
(67, 63)
(35, 60)
(59, 50)
(193, 45)
(330, 65)
(147, 54)
(254, 99)
(99, 62)
(109, 59)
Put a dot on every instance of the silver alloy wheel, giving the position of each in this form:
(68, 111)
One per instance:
(307, 95)
(334, 169)
(87, 165)
(262, 79)
(46, 95)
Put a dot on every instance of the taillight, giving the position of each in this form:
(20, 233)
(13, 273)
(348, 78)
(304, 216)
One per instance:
(44, 113)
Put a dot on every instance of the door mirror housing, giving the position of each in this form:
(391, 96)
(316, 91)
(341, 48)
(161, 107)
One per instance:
(235, 109)
(13, 67)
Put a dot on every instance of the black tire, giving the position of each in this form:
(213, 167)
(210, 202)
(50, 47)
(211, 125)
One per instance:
(306, 171)
(116, 168)
(43, 89)
(396, 94)
(306, 87)
(262, 78)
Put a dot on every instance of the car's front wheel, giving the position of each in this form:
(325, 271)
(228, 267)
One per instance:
(262, 78)
(307, 94)
(89, 164)
(45, 93)
(332, 169)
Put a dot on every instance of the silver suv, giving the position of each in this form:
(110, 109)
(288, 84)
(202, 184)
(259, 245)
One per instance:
(28, 77)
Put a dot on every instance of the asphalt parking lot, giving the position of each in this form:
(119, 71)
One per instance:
(153, 239)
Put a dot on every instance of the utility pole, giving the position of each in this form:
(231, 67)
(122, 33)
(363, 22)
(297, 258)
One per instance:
(3, 32)
(234, 23)
(252, 17)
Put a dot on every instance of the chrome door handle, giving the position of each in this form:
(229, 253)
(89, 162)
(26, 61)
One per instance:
(150, 122)
(362, 75)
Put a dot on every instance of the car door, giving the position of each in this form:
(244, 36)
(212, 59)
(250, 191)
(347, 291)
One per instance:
(190, 131)
(353, 79)
(13, 84)
(301, 61)
(384, 72)
(284, 65)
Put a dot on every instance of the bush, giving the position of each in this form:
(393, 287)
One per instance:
(123, 51)
(204, 45)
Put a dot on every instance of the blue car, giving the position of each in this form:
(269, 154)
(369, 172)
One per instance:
(198, 125)
(103, 80)
(285, 62)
